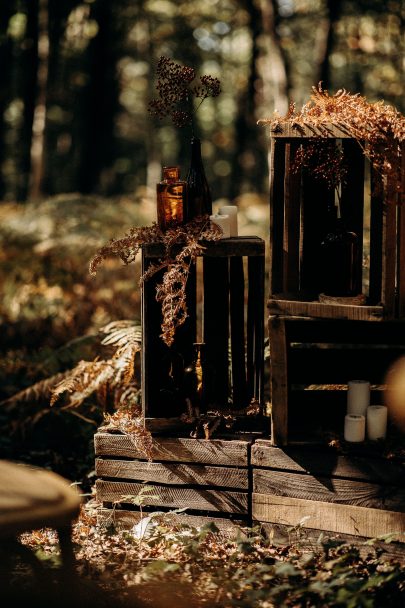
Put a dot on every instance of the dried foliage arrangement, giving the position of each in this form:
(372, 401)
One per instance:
(171, 292)
(378, 128)
(177, 87)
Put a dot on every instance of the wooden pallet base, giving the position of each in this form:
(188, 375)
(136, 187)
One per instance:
(240, 482)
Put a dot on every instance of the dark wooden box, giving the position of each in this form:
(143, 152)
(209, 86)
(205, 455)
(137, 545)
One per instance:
(208, 477)
(298, 203)
(231, 322)
(311, 362)
(356, 492)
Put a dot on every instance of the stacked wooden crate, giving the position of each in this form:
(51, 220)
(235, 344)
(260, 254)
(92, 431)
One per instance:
(317, 347)
(209, 478)
(355, 491)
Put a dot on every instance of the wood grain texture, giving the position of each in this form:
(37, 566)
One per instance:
(401, 238)
(277, 167)
(309, 539)
(235, 246)
(344, 519)
(175, 497)
(324, 462)
(326, 489)
(180, 474)
(288, 130)
(278, 380)
(123, 519)
(203, 451)
(237, 321)
(389, 245)
(279, 306)
(292, 238)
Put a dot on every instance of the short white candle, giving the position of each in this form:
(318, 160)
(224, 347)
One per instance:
(224, 222)
(358, 396)
(376, 422)
(355, 428)
(232, 211)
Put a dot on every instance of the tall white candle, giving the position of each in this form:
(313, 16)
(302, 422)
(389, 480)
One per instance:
(358, 396)
(355, 428)
(232, 211)
(376, 422)
(224, 222)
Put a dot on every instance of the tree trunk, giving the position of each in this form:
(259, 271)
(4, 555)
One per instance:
(327, 34)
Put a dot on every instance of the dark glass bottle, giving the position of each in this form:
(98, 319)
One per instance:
(171, 199)
(199, 200)
(339, 259)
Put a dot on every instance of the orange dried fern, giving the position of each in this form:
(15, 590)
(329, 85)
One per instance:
(182, 245)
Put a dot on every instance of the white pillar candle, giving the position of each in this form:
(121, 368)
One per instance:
(376, 422)
(355, 428)
(358, 396)
(232, 211)
(224, 222)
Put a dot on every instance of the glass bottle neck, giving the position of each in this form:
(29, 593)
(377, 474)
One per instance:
(171, 174)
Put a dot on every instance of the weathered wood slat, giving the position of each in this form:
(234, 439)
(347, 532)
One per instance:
(178, 474)
(203, 451)
(309, 539)
(390, 249)
(292, 238)
(328, 463)
(319, 309)
(278, 380)
(172, 496)
(123, 519)
(336, 490)
(256, 326)
(216, 331)
(237, 318)
(344, 519)
(352, 199)
(277, 166)
(401, 238)
(235, 246)
(287, 129)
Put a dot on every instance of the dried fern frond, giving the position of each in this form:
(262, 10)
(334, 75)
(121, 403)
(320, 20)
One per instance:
(379, 128)
(94, 376)
(187, 241)
(83, 380)
(133, 427)
(38, 392)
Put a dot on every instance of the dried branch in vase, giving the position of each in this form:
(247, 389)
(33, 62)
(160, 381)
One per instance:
(172, 291)
(176, 89)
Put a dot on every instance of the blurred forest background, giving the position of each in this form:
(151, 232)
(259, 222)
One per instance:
(80, 155)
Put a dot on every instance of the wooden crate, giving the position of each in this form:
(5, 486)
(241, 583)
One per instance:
(297, 225)
(311, 362)
(233, 321)
(208, 477)
(356, 492)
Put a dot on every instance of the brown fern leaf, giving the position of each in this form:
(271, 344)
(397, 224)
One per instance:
(134, 428)
(84, 379)
(40, 391)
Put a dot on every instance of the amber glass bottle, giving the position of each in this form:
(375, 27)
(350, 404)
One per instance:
(199, 196)
(339, 257)
(171, 199)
